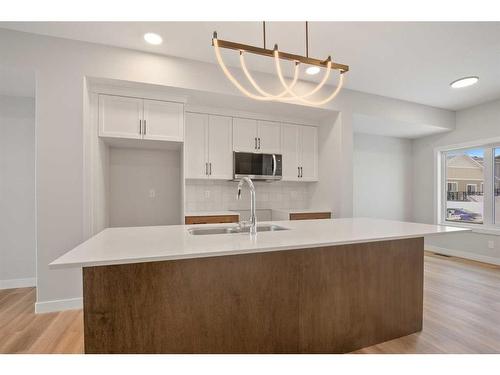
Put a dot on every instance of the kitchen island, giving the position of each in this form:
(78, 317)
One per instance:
(318, 286)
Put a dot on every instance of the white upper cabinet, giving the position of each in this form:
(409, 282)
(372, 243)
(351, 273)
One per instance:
(163, 120)
(309, 153)
(290, 158)
(269, 137)
(256, 136)
(196, 146)
(245, 135)
(120, 117)
(208, 147)
(124, 117)
(220, 147)
(300, 153)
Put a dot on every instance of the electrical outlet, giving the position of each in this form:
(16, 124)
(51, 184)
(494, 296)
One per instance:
(491, 244)
(152, 193)
(207, 194)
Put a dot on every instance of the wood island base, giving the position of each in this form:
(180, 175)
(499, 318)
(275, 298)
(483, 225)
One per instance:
(334, 299)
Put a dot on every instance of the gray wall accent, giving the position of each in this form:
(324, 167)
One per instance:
(383, 177)
(144, 187)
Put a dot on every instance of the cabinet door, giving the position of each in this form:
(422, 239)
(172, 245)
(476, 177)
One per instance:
(220, 147)
(309, 153)
(244, 135)
(290, 161)
(163, 121)
(119, 116)
(196, 146)
(269, 137)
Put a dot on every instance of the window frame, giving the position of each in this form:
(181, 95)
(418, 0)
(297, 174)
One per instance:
(488, 226)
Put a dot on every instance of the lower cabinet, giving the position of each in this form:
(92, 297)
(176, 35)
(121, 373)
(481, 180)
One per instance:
(290, 214)
(211, 219)
(310, 215)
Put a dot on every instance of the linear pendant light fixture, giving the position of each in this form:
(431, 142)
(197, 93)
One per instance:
(287, 94)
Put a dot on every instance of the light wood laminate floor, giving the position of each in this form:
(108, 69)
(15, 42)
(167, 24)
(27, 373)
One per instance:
(461, 315)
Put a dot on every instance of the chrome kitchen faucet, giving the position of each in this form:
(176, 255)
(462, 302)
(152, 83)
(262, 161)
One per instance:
(253, 218)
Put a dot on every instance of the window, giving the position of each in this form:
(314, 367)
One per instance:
(452, 186)
(470, 186)
(464, 172)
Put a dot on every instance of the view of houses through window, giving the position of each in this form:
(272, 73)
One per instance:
(465, 185)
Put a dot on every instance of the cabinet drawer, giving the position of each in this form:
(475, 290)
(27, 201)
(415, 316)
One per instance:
(211, 219)
(311, 215)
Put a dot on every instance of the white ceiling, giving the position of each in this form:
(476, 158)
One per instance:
(16, 82)
(413, 61)
(391, 128)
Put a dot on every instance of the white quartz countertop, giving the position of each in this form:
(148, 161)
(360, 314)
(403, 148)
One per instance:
(211, 213)
(158, 243)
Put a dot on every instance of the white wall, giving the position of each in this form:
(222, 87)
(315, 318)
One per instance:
(334, 188)
(17, 192)
(383, 177)
(144, 187)
(476, 123)
(63, 153)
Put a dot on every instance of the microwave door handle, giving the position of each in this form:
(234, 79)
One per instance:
(274, 165)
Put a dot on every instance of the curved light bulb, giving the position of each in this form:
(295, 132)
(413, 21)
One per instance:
(301, 98)
(257, 87)
(231, 77)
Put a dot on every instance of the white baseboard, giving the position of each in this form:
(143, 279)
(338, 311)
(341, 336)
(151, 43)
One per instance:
(58, 305)
(463, 254)
(18, 283)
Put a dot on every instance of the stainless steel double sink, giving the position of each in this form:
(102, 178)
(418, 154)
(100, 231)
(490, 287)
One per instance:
(234, 229)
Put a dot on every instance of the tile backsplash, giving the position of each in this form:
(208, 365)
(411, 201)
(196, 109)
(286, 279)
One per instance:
(202, 195)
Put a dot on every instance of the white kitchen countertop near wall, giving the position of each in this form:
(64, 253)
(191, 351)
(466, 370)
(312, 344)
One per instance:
(301, 210)
(211, 213)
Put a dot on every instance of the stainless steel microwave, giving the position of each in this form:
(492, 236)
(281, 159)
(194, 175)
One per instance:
(257, 166)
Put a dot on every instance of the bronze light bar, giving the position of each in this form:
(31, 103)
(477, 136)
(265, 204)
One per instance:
(283, 55)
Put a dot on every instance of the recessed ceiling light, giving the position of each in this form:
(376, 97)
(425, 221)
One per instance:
(464, 82)
(153, 38)
(312, 70)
